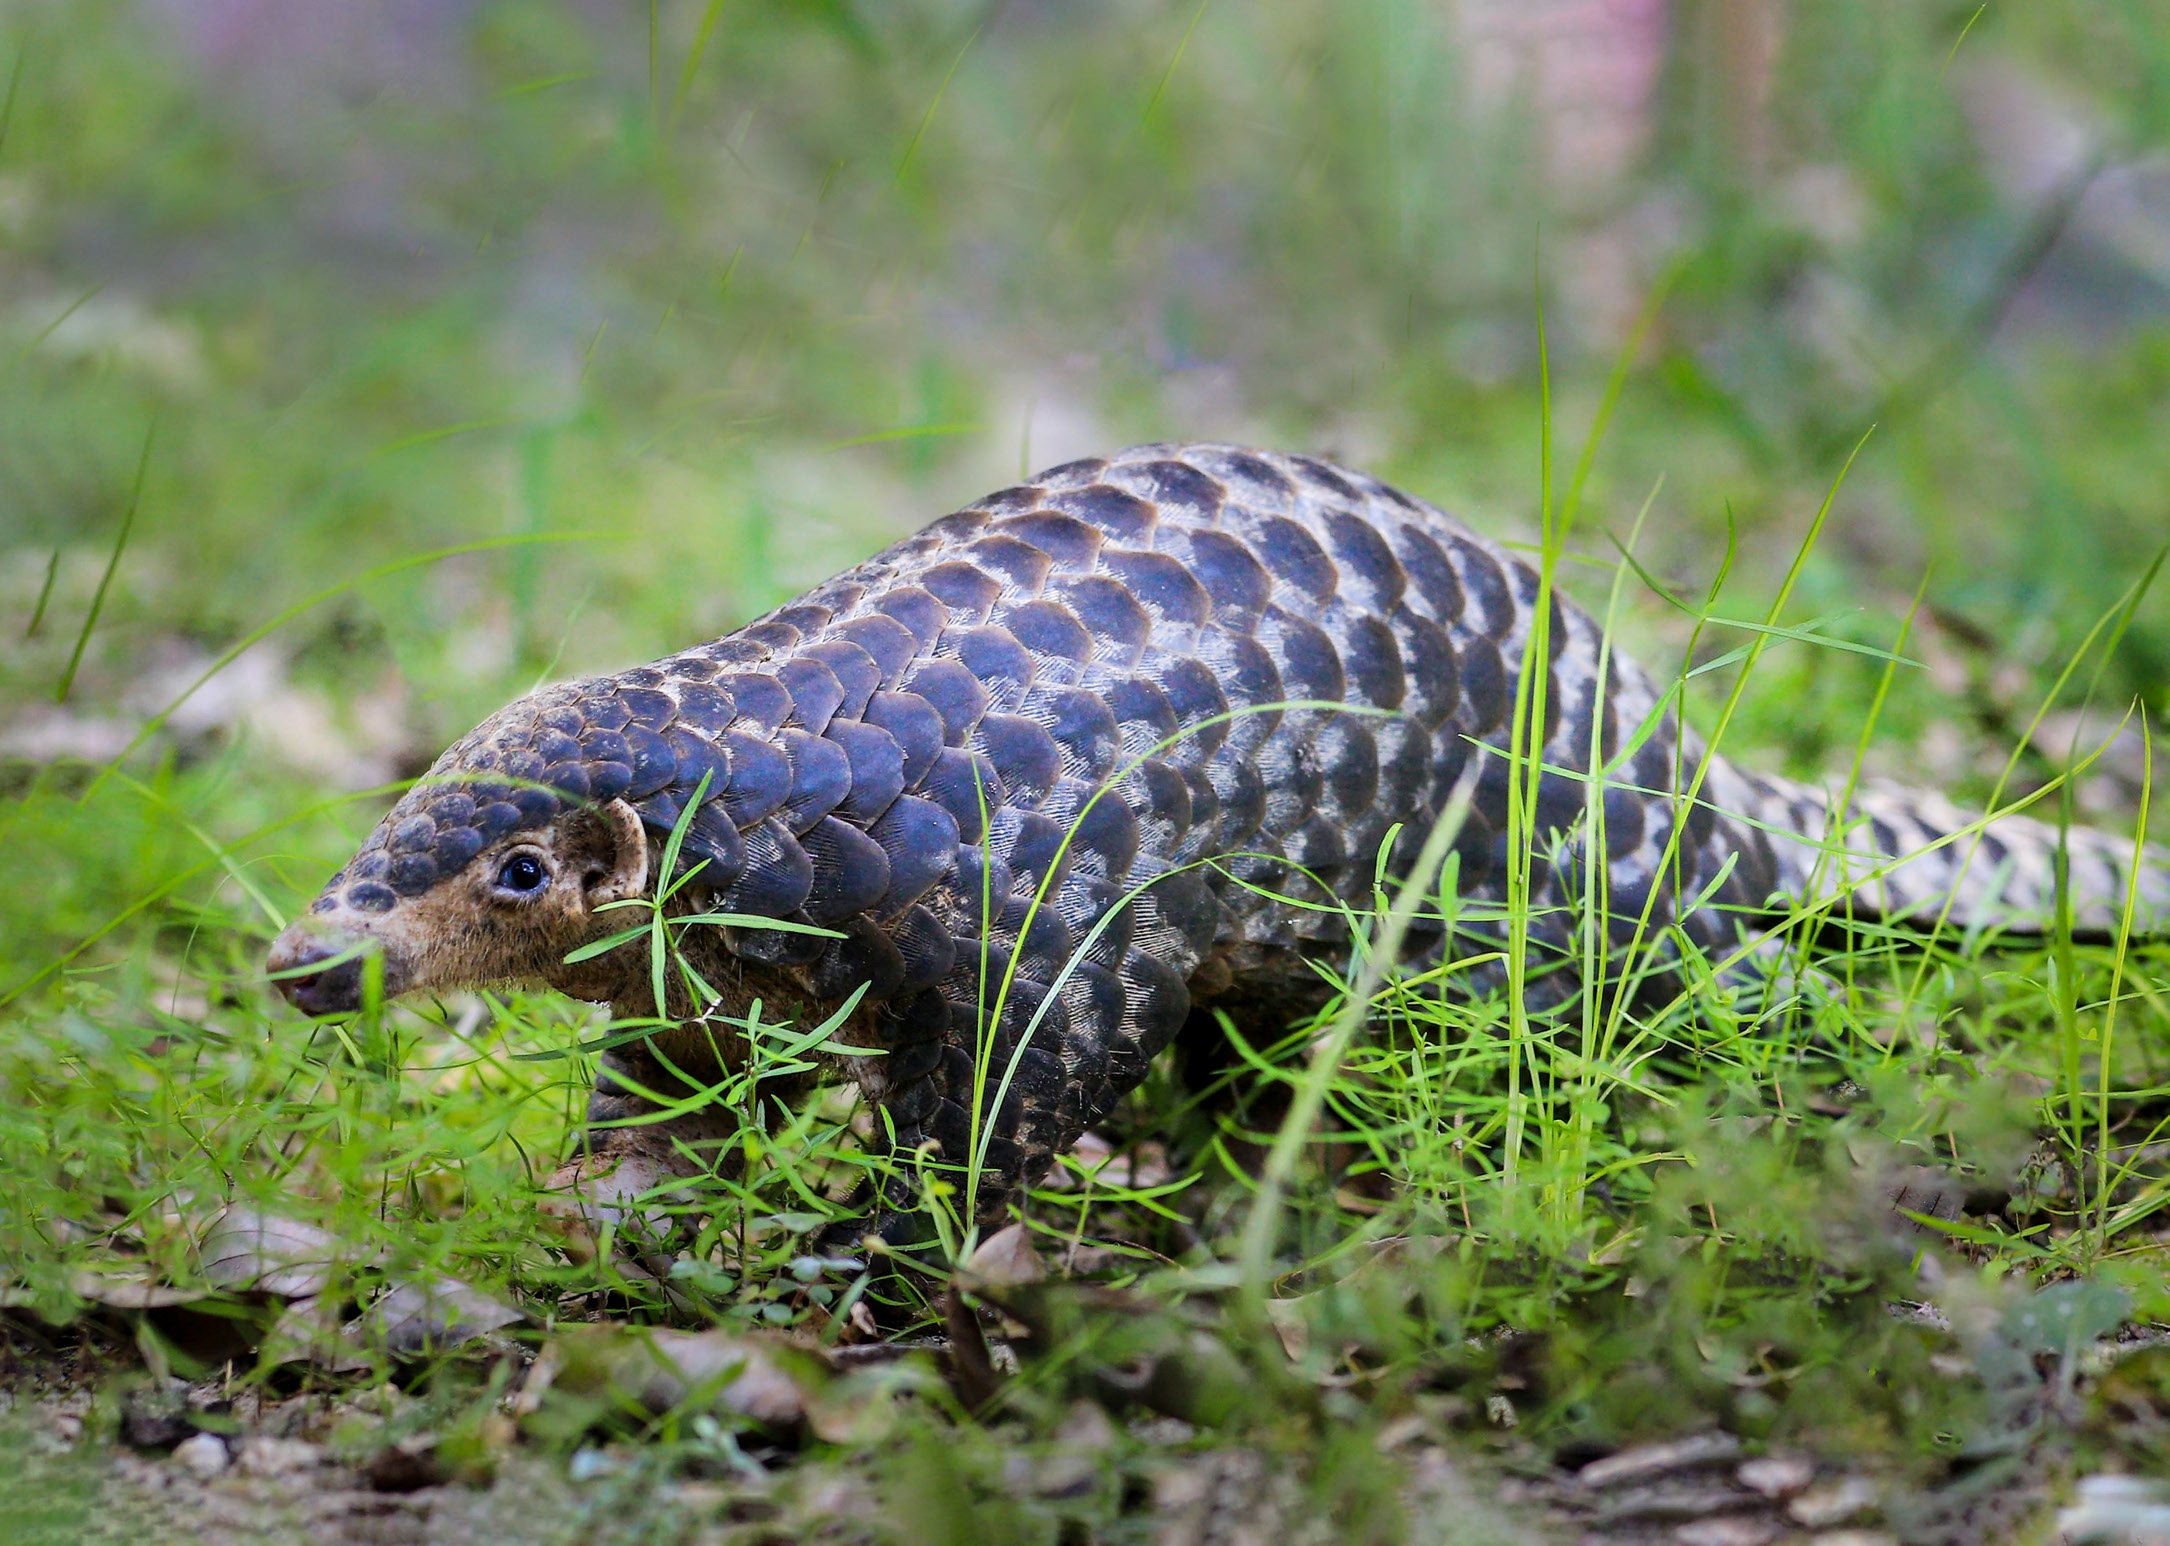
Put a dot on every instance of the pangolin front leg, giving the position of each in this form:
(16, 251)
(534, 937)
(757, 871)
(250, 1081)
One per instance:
(1086, 755)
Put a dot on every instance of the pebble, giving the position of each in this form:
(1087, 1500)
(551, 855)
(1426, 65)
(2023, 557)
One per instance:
(1776, 1476)
(1835, 1502)
(1086, 1427)
(261, 1456)
(203, 1455)
(590, 1464)
(1728, 1530)
(2126, 1510)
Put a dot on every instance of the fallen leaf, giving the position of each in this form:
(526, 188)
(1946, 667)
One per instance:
(1644, 1461)
(248, 1250)
(971, 1369)
(1291, 1326)
(415, 1318)
(767, 1379)
(117, 1292)
(1003, 1259)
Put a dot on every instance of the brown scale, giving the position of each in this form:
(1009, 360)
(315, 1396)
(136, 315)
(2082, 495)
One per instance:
(965, 753)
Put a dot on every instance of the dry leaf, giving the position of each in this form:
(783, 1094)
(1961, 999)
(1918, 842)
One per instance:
(767, 1379)
(1004, 1259)
(248, 1250)
(411, 1319)
(1291, 1326)
(116, 1292)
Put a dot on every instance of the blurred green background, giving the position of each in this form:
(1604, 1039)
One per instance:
(717, 296)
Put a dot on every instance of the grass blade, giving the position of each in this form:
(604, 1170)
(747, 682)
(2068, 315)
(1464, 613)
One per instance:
(45, 595)
(112, 563)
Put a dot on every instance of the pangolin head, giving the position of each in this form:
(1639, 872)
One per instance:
(506, 856)
(494, 867)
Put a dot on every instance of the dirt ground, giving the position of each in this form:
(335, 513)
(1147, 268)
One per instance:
(92, 1455)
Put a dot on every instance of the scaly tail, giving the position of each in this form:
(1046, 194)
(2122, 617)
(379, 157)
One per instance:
(1910, 855)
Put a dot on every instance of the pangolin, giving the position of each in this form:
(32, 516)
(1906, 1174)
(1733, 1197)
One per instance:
(1083, 759)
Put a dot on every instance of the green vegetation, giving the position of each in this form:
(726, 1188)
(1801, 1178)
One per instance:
(396, 368)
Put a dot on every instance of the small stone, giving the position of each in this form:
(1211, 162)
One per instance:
(1728, 1530)
(203, 1455)
(2117, 1507)
(1162, 1432)
(701, 1497)
(261, 1456)
(592, 1464)
(1842, 1500)
(2117, 1488)
(342, 1509)
(1500, 1412)
(1064, 1475)
(1854, 1538)
(1776, 1476)
(1085, 1426)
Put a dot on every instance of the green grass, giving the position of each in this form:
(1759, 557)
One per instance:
(431, 386)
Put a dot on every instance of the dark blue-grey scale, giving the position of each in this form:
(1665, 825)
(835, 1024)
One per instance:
(1001, 752)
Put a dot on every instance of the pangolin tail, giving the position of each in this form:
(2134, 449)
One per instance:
(1909, 855)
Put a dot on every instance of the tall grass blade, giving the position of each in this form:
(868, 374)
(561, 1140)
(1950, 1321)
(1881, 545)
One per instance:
(45, 595)
(926, 119)
(112, 563)
(52, 327)
(710, 15)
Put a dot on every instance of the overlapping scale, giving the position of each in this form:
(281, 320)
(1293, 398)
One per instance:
(877, 769)
(776, 876)
(850, 873)
(820, 777)
(915, 726)
(919, 839)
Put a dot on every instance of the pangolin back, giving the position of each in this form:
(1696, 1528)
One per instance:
(1036, 764)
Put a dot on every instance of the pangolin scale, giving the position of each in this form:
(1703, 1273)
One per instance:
(1083, 758)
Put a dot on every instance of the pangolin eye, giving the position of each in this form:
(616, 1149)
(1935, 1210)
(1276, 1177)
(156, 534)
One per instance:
(522, 874)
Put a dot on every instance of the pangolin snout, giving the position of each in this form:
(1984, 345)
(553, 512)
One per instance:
(335, 989)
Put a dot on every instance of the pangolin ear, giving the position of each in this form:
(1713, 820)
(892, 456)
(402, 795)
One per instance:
(609, 847)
